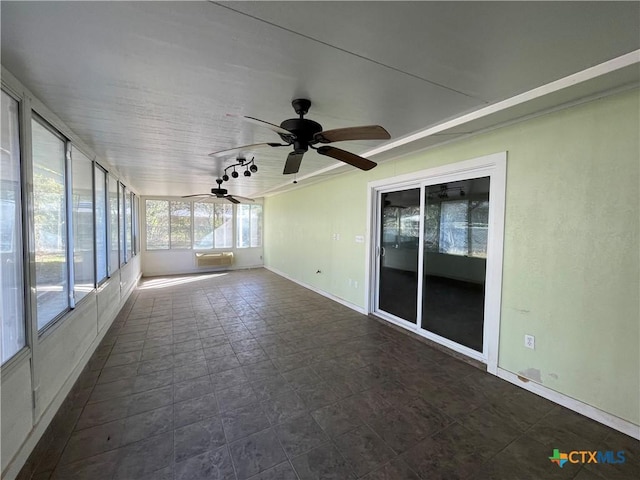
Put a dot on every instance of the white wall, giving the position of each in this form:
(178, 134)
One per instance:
(172, 262)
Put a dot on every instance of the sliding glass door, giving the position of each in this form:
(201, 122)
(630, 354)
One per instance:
(456, 218)
(399, 239)
(435, 272)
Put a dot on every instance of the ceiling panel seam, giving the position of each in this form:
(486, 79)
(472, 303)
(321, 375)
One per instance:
(362, 57)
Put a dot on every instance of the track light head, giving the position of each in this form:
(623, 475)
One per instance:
(253, 168)
(225, 177)
(247, 173)
(234, 174)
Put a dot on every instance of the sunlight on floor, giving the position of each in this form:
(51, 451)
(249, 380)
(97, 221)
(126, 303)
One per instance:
(166, 282)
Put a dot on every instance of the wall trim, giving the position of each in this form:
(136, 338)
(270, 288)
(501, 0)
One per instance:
(617, 423)
(328, 295)
(38, 430)
(590, 73)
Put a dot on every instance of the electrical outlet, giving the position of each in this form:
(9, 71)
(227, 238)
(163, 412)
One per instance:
(530, 342)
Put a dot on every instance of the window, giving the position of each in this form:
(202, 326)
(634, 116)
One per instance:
(169, 225)
(12, 333)
(180, 224)
(50, 223)
(128, 224)
(432, 227)
(212, 225)
(249, 232)
(100, 179)
(458, 226)
(82, 222)
(157, 224)
(122, 223)
(453, 228)
(113, 224)
(479, 227)
(135, 218)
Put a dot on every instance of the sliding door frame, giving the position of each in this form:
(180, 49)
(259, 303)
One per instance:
(493, 166)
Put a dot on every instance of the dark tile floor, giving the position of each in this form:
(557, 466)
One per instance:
(246, 375)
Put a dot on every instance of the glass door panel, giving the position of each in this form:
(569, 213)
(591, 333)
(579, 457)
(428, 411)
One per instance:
(399, 241)
(454, 261)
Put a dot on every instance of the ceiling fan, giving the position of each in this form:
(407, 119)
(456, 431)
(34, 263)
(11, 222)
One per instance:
(220, 193)
(302, 134)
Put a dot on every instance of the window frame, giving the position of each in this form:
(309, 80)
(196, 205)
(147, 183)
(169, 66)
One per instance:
(122, 226)
(239, 228)
(24, 172)
(213, 239)
(111, 269)
(72, 224)
(97, 166)
(35, 117)
(132, 203)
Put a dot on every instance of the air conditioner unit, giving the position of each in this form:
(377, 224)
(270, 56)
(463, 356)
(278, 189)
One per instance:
(222, 259)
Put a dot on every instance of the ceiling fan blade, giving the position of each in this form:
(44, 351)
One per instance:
(347, 157)
(292, 165)
(248, 147)
(205, 195)
(244, 199)
(365, 132)
(256, 121)
(231, 199)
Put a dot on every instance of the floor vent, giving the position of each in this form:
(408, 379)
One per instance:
(224, 259)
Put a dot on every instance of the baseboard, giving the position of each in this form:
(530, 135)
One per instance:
(582, 408)
(20, 458)
(330, 296)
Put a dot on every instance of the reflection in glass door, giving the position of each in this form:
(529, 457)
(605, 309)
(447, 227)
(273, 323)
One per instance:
(456, 221)
(398, 254)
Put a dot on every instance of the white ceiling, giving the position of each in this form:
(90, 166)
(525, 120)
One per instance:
(147, 85)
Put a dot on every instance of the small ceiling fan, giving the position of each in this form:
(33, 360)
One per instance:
(302, 134)
(220, 193)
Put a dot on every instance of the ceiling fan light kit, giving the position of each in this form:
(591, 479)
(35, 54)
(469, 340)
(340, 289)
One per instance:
(303, 134)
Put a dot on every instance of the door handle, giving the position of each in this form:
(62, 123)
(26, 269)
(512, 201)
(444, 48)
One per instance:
(382, 251)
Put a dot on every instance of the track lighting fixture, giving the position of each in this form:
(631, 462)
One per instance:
(250, 167)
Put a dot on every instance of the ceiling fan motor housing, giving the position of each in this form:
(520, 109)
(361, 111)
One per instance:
(303, 129)
(219, 191)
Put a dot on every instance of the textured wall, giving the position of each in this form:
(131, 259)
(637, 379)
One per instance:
(571, 267)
